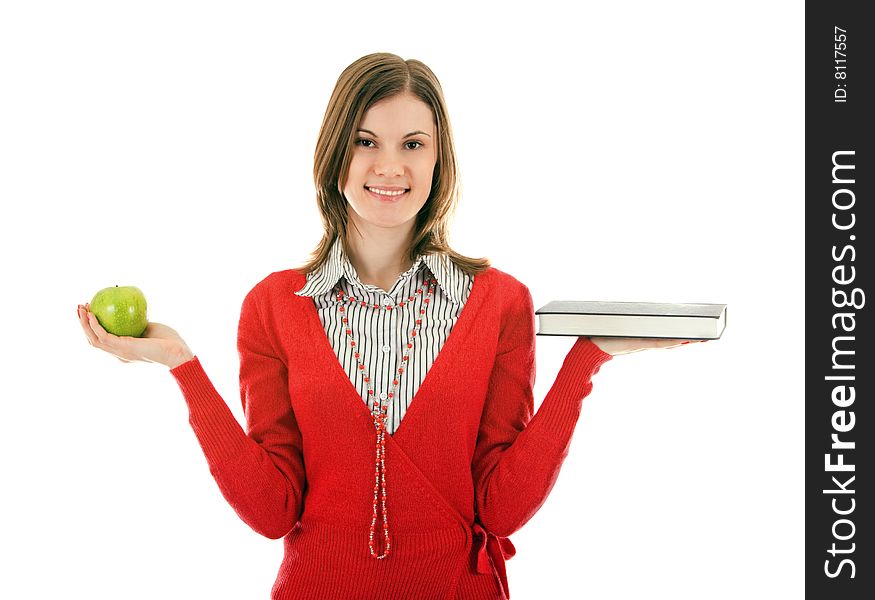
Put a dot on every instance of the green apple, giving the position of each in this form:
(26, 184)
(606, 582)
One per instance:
(121, 310)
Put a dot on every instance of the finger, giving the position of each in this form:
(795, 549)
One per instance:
(86, 327)
(107, 341)
(674, 343)
(667, 343)
(682, 342)
(103, 336)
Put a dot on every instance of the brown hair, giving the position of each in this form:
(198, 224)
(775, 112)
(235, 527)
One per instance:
(368, 80)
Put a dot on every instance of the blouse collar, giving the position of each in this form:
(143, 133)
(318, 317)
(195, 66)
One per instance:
(451, 279)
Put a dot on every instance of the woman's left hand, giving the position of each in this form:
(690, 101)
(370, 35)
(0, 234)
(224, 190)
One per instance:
(615, 346)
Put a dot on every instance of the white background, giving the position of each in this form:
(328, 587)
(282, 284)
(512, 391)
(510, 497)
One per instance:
(629, 151)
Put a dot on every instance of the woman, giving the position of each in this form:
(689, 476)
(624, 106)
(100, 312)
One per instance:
(388, 353)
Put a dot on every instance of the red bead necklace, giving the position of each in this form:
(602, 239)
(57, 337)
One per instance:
(379, 409)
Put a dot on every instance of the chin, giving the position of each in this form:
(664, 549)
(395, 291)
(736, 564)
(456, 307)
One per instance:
(387, 214)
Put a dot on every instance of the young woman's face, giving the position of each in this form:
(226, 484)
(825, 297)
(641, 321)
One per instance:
(394, 150)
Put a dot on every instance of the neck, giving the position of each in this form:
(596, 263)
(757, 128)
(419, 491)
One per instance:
(379, 260)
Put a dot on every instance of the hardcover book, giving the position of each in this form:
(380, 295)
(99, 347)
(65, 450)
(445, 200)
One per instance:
(632, 319)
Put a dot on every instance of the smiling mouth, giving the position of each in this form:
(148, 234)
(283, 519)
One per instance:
(387, 197)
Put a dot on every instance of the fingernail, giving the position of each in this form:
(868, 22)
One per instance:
(682, 343)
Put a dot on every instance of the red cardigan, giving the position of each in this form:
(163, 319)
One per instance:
(469, 465)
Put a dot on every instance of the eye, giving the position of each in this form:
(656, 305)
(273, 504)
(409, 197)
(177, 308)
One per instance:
(362, 141)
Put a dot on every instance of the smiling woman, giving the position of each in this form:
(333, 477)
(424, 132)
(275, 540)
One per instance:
(387, 128)
(390, 379)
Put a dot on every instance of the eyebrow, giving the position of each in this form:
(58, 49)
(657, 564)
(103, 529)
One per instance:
(406, 136)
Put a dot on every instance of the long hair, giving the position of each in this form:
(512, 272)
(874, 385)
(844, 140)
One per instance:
(363, 83)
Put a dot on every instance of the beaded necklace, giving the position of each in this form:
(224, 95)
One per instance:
(379, 409)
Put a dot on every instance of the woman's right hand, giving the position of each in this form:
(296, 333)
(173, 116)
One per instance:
(158, 344)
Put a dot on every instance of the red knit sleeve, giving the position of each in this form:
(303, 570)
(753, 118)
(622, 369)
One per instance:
(260, 471)
(518, 456)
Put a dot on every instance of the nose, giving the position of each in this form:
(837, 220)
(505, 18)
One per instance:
(388, 169)
(388, 165)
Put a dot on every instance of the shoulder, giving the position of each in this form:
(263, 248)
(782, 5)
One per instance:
(502, 282)
(279, 283)
(508, 292)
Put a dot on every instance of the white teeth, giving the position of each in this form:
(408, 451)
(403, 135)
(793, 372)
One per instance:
(386, 193)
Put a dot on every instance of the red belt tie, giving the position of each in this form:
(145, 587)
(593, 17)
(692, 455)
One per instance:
(499, 548)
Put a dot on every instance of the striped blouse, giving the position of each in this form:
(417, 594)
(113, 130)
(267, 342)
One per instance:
(382, 335)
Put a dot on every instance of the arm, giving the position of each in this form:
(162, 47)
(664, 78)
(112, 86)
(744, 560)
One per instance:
(261, 471)
(518, 456)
